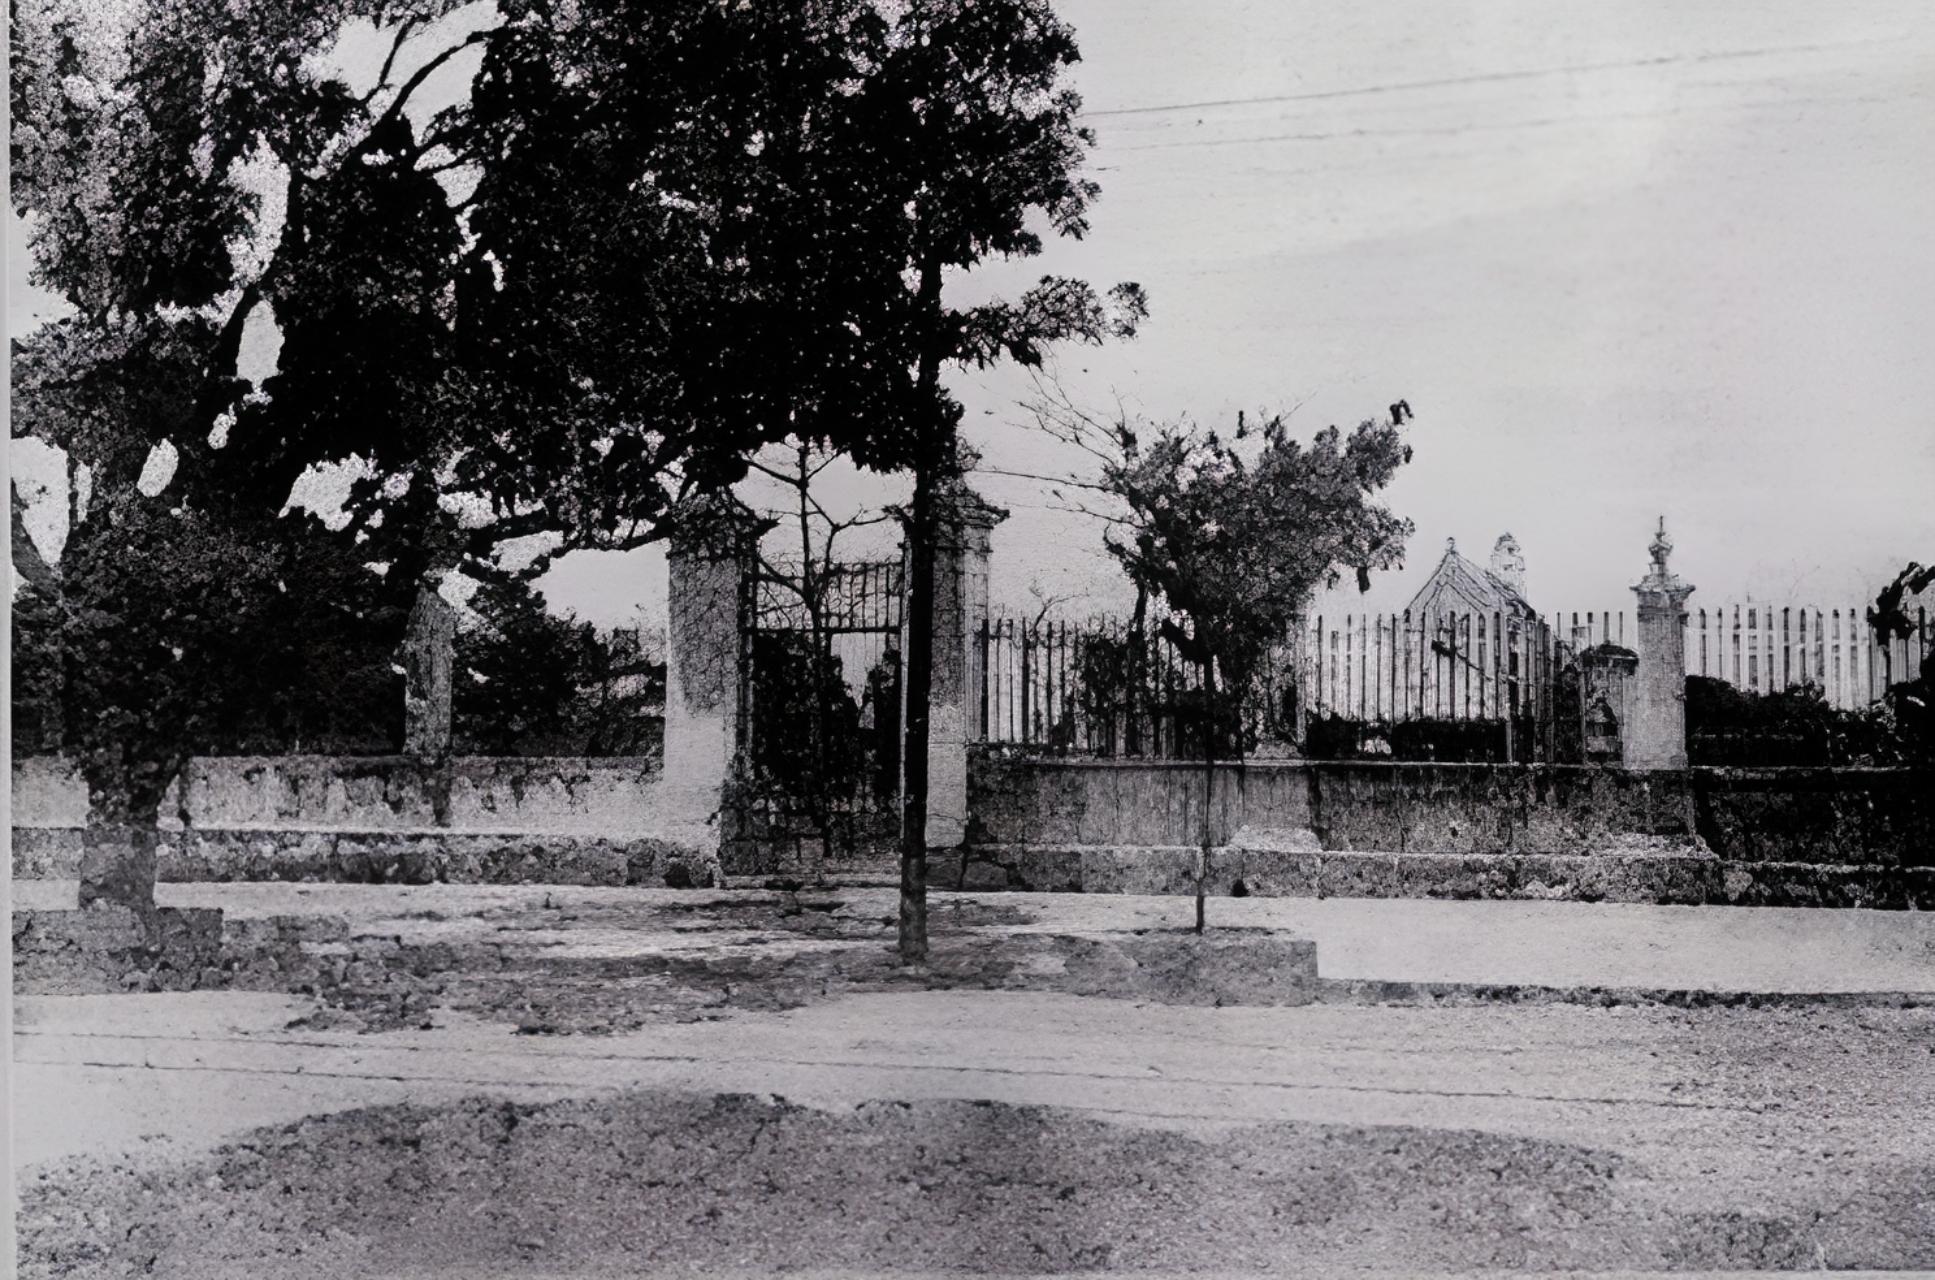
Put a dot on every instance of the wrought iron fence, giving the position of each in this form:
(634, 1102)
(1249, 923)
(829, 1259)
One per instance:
(1105, 687)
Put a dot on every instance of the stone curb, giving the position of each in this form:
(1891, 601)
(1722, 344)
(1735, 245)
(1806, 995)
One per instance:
(1656, 878)
(1464, 995)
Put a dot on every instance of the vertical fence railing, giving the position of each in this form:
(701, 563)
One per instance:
(1761, 648)
(1451, 666)
(1100, 687)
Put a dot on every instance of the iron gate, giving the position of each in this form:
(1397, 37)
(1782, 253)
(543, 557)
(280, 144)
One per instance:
(820, 709)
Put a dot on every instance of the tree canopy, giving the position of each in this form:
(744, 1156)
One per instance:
(639, 240)
(632, 252)
(1233, 536)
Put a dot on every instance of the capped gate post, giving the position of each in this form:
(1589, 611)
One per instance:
(1655, 734)
(964, 527)
(713, 541)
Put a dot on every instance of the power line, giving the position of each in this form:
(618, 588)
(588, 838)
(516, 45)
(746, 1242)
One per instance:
(1499, 126)
(1482, 78)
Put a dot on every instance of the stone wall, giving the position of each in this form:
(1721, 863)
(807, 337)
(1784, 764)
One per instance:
(524, 795)
(386, 857)
(1871, 817)
(488, 820)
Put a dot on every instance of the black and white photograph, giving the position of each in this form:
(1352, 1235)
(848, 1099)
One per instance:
(942, 638)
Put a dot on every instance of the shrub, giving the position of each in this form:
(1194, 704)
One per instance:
(1796, 726)
(1334, 737)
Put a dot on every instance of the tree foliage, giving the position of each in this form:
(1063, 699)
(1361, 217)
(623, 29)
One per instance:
(160, 607)
(528, 682)
(1234, 536)
(650, 236)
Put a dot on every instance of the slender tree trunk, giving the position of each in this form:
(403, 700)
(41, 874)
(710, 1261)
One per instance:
(824, 782)
(920, 682)
(819, 790)
(118, 862)
(1137, 672)
(933, 453)
(1209, 785)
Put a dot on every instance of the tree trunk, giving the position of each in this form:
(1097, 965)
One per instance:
(1209, 726)
(429, 650)
(920, 682)
(118, 852)
(1136, 669)
(118, 865)
(933, 453)
(812, 591)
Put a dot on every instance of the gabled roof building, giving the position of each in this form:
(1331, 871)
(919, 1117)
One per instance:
(1457, 586)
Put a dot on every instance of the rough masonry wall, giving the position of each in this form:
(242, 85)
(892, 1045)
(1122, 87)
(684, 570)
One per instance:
(502, 820)
(615, 796)
(1877, 817)
(1660, 878)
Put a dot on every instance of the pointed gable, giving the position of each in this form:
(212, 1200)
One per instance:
(1459, 586)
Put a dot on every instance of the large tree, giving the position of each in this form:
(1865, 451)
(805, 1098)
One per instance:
(969, 148)
(649, 236)
(625, 255)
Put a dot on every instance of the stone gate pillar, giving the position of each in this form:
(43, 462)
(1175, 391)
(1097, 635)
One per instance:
(706, 563)
(1655, 735)
(965, 525)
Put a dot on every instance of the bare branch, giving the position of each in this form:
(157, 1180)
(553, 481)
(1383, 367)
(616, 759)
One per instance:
(415, 82)
(405, 29)
(1067, 481)
(862, 522)
(790, 479)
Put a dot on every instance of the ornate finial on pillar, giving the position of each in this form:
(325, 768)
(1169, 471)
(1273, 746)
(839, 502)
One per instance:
(1659, 578)
(956, 502)
(1451, 546)
(1661, 548)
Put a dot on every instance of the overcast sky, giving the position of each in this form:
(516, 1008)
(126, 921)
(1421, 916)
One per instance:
(1624, 260)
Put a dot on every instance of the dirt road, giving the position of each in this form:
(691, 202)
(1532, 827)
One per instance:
(1201, 1139)
(246, 1133)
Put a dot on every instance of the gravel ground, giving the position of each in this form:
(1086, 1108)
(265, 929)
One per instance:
(1002, 1131)
(649, 1181)
(588, 1083)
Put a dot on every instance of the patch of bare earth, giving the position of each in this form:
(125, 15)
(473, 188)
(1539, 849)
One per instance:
(780, 953)
(773, 954)
(649, 1181)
